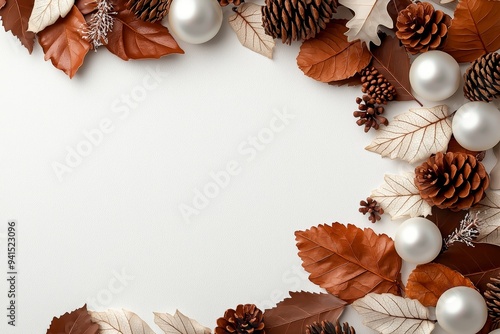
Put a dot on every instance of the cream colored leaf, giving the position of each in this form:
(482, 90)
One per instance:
(179, 324)
(387, 314)
(399, 197)
(488, 212)
(46, 12)
(120, 322)
(495, 172)
(369, 14)
(247, 23)
(414, 135)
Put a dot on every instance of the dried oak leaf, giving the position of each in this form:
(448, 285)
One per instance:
(349, 262)
(15, 15)
(76, 322)
(247, 24)
(330, 57)
(396, 72)
(446, 220)
(132, 38)
(63, 42)
(474, 30)
(429, 281)
(292, 315)
(179, 324)
(478, 263)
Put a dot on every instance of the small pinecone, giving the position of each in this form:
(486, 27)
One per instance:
(482, 78)
(327, 327)
(149, 10)
(246, 319)
(224, 3)
(421, 28)
(293, 20)
(492, 296)
(369, 113)
(371, 207)
(377, 86)
(454, 181)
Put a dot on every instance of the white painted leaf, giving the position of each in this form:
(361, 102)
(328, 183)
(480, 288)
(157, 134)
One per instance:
(387, 314)
(369, 14)
(179, 324)
(120, 322)
(399, 197)
(488, 212)
(46, 12)
(247, 23)
(414, 135)
(495, 172)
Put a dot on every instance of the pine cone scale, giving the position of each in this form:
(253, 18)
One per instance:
(482, 78)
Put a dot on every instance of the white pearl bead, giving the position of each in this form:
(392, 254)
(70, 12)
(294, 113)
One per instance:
(418, 240)
(195, 21)
(496, 331)
(435, 75)
(476, 126)
(461, 310)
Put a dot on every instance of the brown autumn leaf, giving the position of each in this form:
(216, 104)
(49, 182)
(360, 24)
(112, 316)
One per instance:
(76, 322)
(429, 281)
(15, 15)
(86, 6)
(396, 72)
(474, 30)
(394, 7)
(454, 146)
(63, 42)
(446, 220)
(2, 3)
(355, 80)
(132, 38)
(292, 315)
(349, 262)
(478, 263)
(330, 57)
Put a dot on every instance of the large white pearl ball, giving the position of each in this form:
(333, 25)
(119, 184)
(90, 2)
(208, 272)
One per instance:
(418, 240)
(461, 310)
(476, 126)
(195, 21)
(496, 331)
(435, 75)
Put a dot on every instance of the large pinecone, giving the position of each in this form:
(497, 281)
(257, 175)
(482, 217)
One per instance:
(482, 78)
(492, 296)
(246, 319)
(454, 181)
(293, 20)
(376, 85)
(421, 28)
(327, 327)
(149, 10)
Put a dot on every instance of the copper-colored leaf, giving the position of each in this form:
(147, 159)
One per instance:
(63, 44)
(15, 15)
(454, 146)
(76, 322)
(349, 262)
(132, 38)
(330, 57)
(292, 315)
(86, 6)
(446, 220)
(394, 7)
(2, 3)
(429, 281)
(478, 263)
(396, 72)
(474, 31)
(355, 80)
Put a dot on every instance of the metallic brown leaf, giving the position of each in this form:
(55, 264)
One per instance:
(15, 15)
(76, 322)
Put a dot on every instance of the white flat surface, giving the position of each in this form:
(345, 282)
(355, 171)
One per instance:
(118, 210)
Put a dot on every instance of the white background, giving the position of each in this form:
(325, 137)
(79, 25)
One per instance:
(119, 209)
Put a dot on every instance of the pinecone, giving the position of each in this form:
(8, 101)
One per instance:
(369, 113)
(371, 207)
(421, 28)
(492, 296)
(454, 181)
(376, 86)
(293, 20)
(246, 319)
(149, 10)
(482, 78)
(327, 327)
(224, 3)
